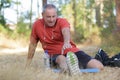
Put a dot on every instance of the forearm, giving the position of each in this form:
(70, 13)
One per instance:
(31, 51)
(66, 35)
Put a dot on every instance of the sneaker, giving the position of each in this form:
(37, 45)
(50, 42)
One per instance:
(102, 57)
(117, 56)
(115, 61)
(98, 55)
(72, 62)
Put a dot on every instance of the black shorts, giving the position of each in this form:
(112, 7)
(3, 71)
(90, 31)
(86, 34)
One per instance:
(83, 59)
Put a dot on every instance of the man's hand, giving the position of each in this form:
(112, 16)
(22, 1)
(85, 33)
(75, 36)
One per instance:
(67, 45)
(28, 63)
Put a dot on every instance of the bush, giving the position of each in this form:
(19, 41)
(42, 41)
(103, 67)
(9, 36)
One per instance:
(2, 20)
(2, 29)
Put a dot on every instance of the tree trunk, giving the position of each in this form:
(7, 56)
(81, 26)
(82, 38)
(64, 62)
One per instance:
(38, 7)
(116, 32)
(44, 2)
(98, 11)
(74, 14)
(75, 17)
(31, 13)
(117, 15)
(17, 13)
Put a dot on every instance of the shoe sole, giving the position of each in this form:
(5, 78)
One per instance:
(72, 62)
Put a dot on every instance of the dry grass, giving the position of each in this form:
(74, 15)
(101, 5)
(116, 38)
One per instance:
(12, 67)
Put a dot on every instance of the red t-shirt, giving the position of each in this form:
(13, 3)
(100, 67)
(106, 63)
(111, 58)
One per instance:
(51, 38)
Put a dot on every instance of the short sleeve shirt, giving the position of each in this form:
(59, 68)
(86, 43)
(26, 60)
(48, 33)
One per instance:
(51, 38)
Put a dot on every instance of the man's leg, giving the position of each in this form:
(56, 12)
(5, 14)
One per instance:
(87, 61)
(93, 63)
(61, 61)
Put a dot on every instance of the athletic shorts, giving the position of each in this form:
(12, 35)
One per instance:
(83, 59)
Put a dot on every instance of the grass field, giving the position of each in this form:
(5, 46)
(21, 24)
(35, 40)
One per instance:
(12, 66)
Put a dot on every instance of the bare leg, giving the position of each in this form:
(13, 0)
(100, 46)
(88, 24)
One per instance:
(93, 63)
(61, 61)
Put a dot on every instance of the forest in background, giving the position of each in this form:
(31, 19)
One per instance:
(92, 21)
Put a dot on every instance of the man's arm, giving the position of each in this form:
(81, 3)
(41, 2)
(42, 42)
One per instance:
(66, 36)
(31, 51)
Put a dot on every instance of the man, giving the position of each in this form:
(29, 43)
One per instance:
(54, 35)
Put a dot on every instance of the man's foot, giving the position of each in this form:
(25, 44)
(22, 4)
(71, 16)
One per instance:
(115, 60)
(72, 62)
(98, 55)
(102, 57)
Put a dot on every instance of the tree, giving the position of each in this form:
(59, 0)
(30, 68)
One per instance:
(3, 4)
(74, 16)
(117, 15)
(31, 13)
(38, 7)
(17, 3)
(98, 11)
(116, 32)
(44, 2)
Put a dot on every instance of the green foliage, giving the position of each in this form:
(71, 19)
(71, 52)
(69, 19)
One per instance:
(4, 4)
(108, 15)
(79, 35)
(22, 31)
(80, 16)
(2, 20)
(22, 28)
(2, 29)
(111, 44)
(5, 30)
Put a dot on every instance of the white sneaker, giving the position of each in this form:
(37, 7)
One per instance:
(72, 62)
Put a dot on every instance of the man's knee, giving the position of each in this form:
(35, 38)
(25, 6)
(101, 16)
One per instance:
(93, 63)
(60, 59)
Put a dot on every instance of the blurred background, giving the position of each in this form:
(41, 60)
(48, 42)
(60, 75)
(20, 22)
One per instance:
(93, 22)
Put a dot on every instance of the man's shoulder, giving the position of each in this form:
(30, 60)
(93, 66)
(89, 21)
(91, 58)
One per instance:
(61, 19)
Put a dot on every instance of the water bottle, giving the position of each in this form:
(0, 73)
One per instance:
(46, 59)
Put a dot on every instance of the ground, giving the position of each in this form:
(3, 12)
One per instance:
(13, 59)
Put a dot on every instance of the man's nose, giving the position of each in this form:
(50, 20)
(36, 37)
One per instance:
(51, 19)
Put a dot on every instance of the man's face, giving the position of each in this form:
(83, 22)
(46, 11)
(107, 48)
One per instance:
(50, 16)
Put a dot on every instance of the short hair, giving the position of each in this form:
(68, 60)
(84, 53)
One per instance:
(49, 6)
